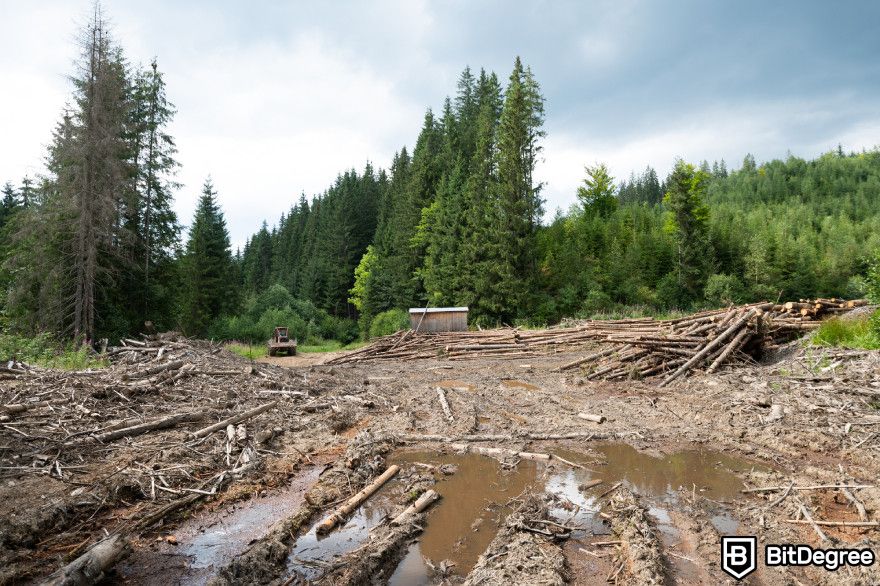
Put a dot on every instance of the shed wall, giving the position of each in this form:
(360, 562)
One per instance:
(439, 321)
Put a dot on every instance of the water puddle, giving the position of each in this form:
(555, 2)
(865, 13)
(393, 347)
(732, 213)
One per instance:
(458, 385)
(205, 543)
(518, 384)
(313, 554)
(461, 525)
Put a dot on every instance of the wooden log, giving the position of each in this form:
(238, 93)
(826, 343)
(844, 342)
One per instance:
(150, 426)
(812, 487)
(153, 370)
(834, 523)
(495, 452)
(809, 519)
(21, 407)
(445, 405)
(717, 341)
(422, 503)
(728, 350)
(591, 484)
(354, 502)
(589, 358)
(234, 419)
(89, 568)
(591, 417)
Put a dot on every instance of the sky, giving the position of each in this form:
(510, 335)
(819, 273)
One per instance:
(276, 98)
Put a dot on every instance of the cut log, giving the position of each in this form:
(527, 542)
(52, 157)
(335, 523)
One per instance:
(354, 502)
(589, 358)
(495, 452)
(234, 419)
(153, 370)
(150, 426)
(422, 503)
(445, 405)
(89, 568)
(728, 350)
(591, 417)
(732, 329)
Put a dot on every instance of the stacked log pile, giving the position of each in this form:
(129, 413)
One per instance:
(631, 348)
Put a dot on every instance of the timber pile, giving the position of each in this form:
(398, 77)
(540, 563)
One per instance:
(631, 348)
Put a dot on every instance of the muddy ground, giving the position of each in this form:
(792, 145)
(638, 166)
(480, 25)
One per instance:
(241, 505)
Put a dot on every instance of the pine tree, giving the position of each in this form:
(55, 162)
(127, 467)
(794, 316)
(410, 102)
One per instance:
(207, 266)
(688, 222)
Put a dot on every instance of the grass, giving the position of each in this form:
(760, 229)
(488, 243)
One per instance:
(250, 351)
(330, 346)
(254, 351)
(47, 351)
(847, 333)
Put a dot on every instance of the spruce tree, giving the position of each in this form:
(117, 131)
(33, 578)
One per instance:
(519, 206)
(157, 227)
(207, 266)
(688, 222)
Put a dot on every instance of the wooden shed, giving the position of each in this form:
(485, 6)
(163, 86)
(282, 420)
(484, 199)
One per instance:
(439, 319)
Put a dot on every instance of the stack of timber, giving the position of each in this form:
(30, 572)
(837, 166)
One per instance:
(629, 348)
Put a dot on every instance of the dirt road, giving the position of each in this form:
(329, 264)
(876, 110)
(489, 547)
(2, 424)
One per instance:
(641, 498)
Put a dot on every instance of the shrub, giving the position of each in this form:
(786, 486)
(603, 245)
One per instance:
(848, 333)
(389, 322)
(723, 290)
(277, 307)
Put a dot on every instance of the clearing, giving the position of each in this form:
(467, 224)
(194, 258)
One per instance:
(187, 464)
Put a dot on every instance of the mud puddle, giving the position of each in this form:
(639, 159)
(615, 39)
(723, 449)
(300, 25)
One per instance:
(200, 546)
(510, 383)
(458, 385)
(312, 554)
(461, 525)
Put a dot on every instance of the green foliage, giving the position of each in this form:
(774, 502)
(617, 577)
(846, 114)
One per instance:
(46, 350)
(249, 351)
(207, 266)
(848, 333)
(389, 322)
(872, 280)
(597, 194)
(724, 290)
(277, 307)
(688, 223)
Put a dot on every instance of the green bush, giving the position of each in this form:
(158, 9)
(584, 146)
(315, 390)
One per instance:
(724, 290)
(389, 322)
(277, 307)
(45, 350)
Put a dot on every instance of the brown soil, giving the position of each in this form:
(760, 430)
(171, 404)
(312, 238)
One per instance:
(684, 452)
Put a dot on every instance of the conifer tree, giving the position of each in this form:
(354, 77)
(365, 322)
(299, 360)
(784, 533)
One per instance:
(157, 227)
(207, 266)
(688, 222)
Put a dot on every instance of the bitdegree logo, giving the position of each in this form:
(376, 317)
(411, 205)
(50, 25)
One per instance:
(804, 555)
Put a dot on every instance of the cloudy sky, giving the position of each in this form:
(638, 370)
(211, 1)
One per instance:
(275, 98)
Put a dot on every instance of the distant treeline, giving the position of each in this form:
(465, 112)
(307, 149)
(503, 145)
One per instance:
(93, 248)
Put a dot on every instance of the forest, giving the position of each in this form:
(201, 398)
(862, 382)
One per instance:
(93, 249)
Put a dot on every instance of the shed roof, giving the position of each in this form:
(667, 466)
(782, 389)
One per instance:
(437, 309)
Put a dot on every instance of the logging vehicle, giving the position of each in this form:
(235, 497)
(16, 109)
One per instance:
(281, 342)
